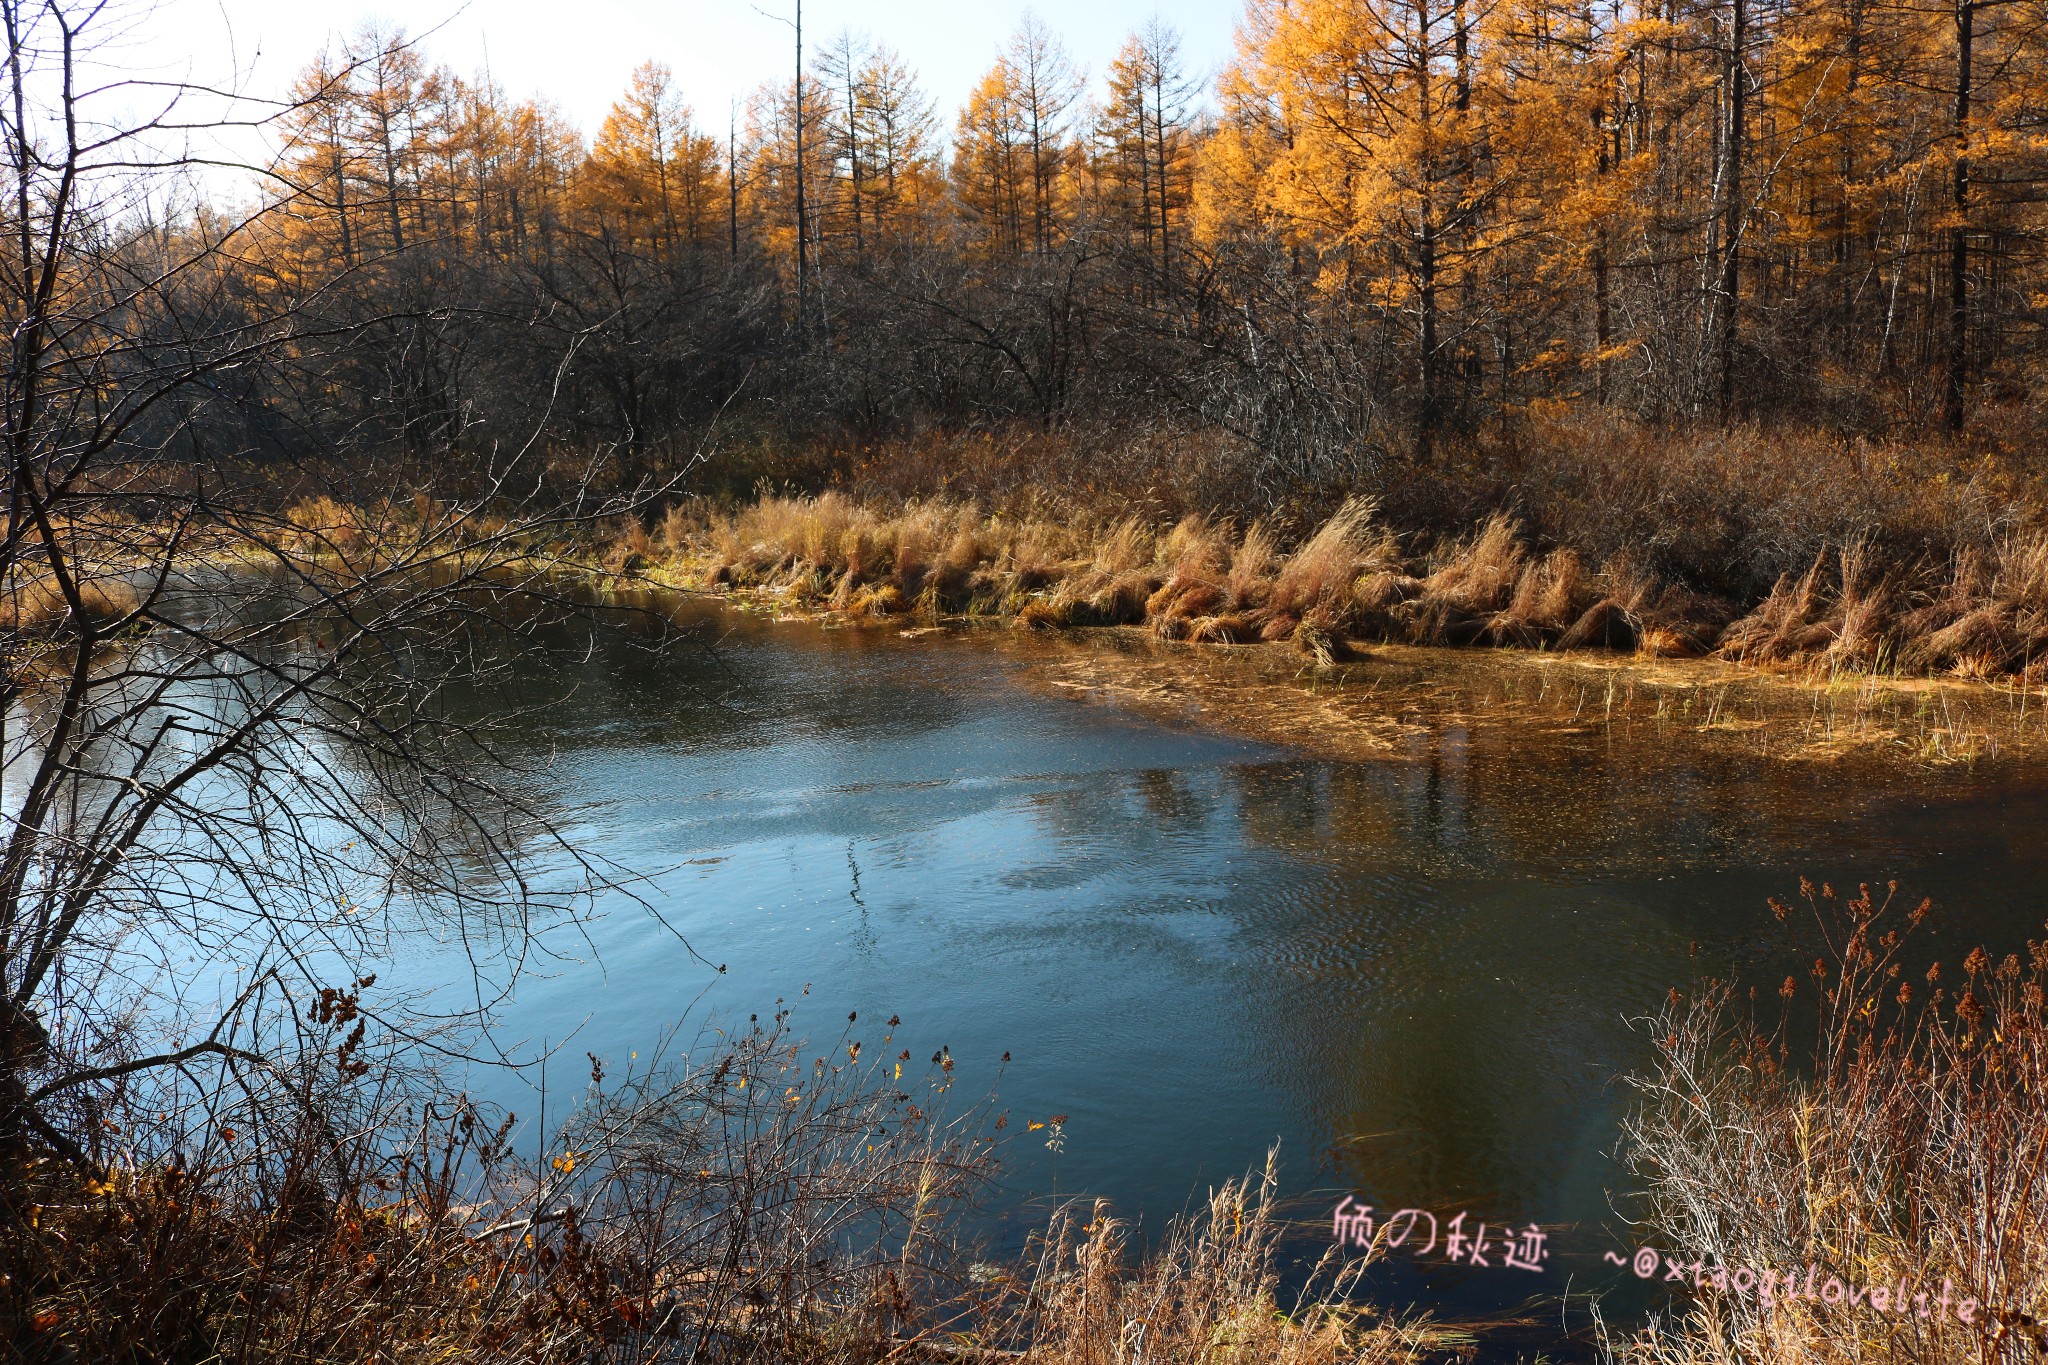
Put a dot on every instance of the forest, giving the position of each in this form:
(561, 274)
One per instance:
(1703, 292)
(1388, 228)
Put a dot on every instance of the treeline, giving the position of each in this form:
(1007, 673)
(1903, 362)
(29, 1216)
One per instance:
(1388, 226)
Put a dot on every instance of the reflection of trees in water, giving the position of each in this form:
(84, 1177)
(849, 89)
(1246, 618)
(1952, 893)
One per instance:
(723, 682)
(1170, 801)
(1437, 951)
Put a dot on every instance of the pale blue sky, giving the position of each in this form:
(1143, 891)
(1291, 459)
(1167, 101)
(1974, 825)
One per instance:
(579, 54)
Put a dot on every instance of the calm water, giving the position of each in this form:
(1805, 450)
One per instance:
(1414, 973)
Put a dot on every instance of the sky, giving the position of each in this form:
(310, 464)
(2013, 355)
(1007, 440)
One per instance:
(579, 54)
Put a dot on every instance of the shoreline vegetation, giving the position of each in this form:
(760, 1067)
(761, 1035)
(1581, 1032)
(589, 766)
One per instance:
(1931, 642)
(1903, 1146)
(1351, 582)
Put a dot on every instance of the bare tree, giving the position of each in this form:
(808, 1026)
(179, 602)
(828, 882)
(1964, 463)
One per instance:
(228, 769)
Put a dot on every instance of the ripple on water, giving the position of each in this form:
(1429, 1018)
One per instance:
(1416, 969)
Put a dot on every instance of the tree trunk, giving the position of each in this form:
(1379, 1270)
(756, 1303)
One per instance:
(803, 222)
(1958, 376)
(1426, 246)
(1731, 204)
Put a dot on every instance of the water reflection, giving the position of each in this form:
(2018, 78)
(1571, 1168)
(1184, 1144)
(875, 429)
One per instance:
(1416, 971)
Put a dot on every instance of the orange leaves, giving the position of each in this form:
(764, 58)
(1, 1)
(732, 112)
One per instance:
(651, 176)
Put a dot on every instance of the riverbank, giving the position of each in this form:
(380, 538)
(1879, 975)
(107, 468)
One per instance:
(1353, 583)
(1344, 644)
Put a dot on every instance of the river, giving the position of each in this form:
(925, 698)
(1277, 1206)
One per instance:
(1414, 968)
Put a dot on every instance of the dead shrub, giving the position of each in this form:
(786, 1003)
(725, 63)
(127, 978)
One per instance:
(1908, 1147)
(1785, 624)
(1040, 614)
(1607, 624)
(1252, 568)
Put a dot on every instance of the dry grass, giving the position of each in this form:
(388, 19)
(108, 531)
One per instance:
(1986, 617)
(1209, 1293)
(37, 606)
(1913, 1147)
(757, 1204)
(1349, 581)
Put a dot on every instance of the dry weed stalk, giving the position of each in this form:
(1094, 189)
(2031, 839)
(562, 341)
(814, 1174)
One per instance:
(1914, 1149)
(1209, 1293)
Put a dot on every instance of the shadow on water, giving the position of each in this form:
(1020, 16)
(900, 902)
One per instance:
(1413, 966)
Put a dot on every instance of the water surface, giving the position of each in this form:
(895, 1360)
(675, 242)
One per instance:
(1414, 970)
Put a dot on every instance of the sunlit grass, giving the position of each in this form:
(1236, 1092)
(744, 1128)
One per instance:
(1351, 580)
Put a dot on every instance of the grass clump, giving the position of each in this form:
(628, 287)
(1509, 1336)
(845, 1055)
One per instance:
(1209, 1293)
(38, 606)
(1349, 581)
(1911, 1149)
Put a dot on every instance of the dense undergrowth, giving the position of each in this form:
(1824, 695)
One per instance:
(755, 1204)
(1775, 549)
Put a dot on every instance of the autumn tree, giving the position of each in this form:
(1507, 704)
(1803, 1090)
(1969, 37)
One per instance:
(651, 175)
(1376, 160)
(883, 184)
(1014, 151)
(1143, 146)
(992, 166)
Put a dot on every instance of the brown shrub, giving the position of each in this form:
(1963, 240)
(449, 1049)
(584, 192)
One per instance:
(1907, 1147)
(1252, 567)
(1279, 626)
(875, 599)
(1784, 624)
(1607, 624)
